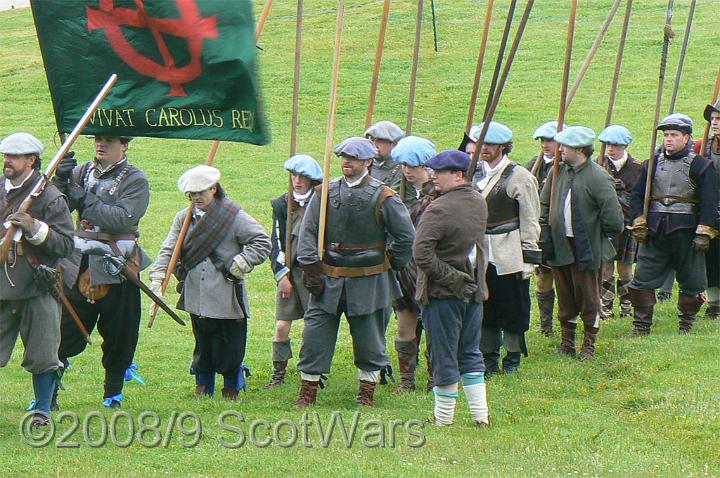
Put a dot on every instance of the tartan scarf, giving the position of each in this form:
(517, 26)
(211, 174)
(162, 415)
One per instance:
(209, 231)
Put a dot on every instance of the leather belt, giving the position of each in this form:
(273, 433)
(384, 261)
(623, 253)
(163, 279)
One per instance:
(103, 236)
(346, 246)
(338, 272)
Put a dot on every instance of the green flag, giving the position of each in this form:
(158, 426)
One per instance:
(187, 68)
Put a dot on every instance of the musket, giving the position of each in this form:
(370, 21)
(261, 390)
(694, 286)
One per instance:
(293, 136)
(667, 35)
(591, 54)
(501, 86)
(330, 128)
(122, 268)
(13, 234)
(378, 60)
(563, 97)
(716, 92)
(186, 221)
(681, 61)
(616, 77)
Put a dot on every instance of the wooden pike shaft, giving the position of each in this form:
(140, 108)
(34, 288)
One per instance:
(563, 96)
(478, 67)
(593, 49)
(378, 59)
(658, 101)
(616, 76)
(501, 86)
(330, 129)
(501, 53)
(186, 222)
(413, 72)
(293, 135)
(681, 61)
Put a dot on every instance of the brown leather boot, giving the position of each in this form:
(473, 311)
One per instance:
(643, 301)
(308, 393)
(607, 297)
(713, 310)
(688, 307)
(588, 347)
(624, 296)
(366, 393)
(200, 390)
(278, 374)
(567, 341)
(407, 363)
(230, 394)
(546, 304)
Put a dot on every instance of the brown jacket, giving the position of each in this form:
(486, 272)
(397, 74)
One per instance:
(450, 227)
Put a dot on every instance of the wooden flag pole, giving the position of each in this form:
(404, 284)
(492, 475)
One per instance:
(563, 97)
(186, 221)
(593, 49)
(616, 77)
(330, 129)
(479, 66)
(501, 86)
(293, 136)
(378, 60)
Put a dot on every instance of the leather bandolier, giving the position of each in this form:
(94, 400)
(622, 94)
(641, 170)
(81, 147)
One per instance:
(503, 211)
(355, 234)
(673, 191)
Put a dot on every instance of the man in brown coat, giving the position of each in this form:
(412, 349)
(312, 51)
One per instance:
(451, 289)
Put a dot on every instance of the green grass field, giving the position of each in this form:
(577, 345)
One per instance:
(643, 407)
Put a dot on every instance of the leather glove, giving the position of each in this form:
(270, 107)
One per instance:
(460, 283)
(25, 222)
(76, 196)
(314, 278)
(701, 243)
(639, 230)
(546, 244)
(67, 164)
(239, 267)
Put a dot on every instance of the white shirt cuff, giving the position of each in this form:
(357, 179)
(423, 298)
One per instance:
(39, 236)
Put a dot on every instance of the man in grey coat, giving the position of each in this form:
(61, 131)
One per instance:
(222, 245)
(368, 233)
(27, 306)
(110, 196)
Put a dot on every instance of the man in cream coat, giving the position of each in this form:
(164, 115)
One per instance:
(512, 231)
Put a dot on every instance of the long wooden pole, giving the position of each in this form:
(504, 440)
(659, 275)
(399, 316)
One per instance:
(563, 97)
(667, 35)
(330, 129)
(593, 49)
(499, 60)
(413, 86)
(378, 59)
(293, 136)
(681, 61)
(479, 66)
(716, 92)
(616, 76)
(501, 86)
(186, 221)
